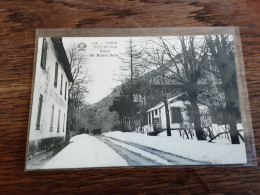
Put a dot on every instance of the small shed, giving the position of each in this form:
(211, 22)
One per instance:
(178, 112)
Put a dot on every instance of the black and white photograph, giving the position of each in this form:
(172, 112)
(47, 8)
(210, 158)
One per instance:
(135, 101)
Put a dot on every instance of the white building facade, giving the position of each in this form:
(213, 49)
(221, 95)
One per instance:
(50, 96)
(178, 112)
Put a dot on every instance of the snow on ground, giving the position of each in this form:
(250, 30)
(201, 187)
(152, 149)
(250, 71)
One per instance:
(142, 152)
(215, 153)
(219, 140)
(85, 151)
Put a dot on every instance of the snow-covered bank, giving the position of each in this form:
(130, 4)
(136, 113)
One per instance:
(85, 151)
(215, 153)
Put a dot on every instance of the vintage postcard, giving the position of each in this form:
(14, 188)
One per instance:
(138, 97)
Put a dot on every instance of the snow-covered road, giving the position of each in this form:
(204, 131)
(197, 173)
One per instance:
(139, 155)
(116, 149)
(132, 158)
(101, 151)
(85, 151)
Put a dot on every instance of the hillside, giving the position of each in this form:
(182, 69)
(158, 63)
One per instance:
(98, 114)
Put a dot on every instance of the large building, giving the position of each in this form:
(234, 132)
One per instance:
(50, 96)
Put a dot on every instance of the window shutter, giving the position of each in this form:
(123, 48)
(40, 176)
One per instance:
(38, 122)
(58, 129)
(52, 115)
(56, 74)
(64, 122)
(176, 115)
(61, 81)
(65, 95)
(44, 54)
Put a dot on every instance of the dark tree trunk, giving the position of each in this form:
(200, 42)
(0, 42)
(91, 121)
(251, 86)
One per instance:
(229, 86)
(227, 68)
(132, 117)
(196, 116)
(168, 127)
(231, 114)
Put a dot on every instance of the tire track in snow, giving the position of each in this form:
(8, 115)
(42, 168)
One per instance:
(141, 152)
(132, 158)
(172, 158)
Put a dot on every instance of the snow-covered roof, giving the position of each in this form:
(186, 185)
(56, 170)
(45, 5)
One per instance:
(179, 104)
(173, 98)
(172, 103)
(161, 104)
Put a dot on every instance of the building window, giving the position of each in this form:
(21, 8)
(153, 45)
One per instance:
(65, 95)
(38, 122)
(61, 81)
(56, 74)
(44, 54)
(176, 115)
(63, 122)
(58, 128)
(156, 112)
(52, 115)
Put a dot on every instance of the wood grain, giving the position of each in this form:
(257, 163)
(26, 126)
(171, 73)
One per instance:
(18, 22)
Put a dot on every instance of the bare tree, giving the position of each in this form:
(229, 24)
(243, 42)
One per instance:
(155, 63)
(186, 55)
(131, 59)
(222, 53)
(79, 87)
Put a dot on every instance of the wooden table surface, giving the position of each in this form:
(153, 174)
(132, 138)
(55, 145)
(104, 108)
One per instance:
(18, 21)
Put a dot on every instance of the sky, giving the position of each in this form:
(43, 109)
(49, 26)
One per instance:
(102, 63)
